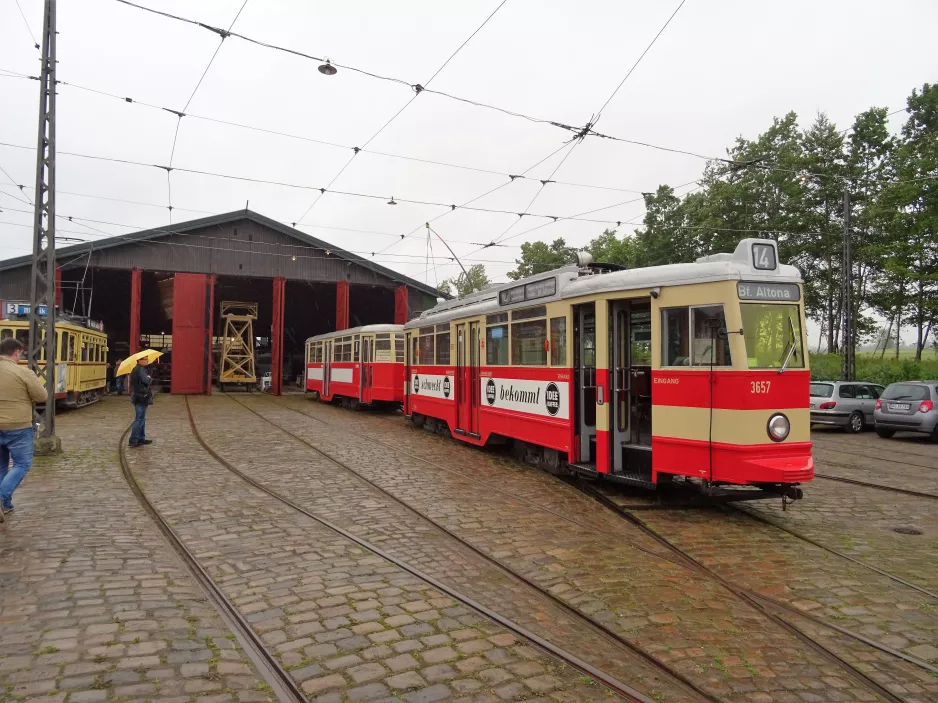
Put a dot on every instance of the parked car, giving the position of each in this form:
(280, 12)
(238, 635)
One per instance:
(846, 404)
(911, 406)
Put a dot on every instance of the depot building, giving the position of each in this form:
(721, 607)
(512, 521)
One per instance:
(164, 289)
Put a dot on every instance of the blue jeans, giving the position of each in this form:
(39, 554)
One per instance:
(138, 430)
(17, 444)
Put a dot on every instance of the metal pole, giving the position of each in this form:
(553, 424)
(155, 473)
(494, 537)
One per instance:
(847, 337)
(42, 280)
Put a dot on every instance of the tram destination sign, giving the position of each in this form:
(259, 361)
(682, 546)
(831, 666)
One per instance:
(778, 292)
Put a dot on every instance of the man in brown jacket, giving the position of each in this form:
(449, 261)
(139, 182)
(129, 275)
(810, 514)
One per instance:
(19, 389)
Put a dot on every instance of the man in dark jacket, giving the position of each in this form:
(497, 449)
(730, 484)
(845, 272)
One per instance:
(141, 395)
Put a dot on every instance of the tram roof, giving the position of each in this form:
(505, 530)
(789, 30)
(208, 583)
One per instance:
(576, 282)
(364, 329)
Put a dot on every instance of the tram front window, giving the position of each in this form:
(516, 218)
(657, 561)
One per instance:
(773, 335)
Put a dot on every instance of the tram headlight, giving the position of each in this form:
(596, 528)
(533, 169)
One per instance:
(778, 427)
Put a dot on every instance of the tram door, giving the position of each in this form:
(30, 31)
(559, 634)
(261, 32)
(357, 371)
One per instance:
(463, 388)
(468, 391)
(630, 381)
(585, 365)
(367, 369)
(475, 388)
(326, 366)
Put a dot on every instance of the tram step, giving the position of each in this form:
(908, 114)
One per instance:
(642, 480)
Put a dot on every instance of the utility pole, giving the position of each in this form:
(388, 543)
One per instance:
(42, 280)
(848, 367)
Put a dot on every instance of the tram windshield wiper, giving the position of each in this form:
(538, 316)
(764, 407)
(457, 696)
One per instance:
(791, 349)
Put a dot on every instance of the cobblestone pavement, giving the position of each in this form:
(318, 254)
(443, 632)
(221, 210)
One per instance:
(347, 624)
(903, 462)
(94, 604)
(684, 619)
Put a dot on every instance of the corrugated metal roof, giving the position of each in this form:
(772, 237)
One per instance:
(214, 220)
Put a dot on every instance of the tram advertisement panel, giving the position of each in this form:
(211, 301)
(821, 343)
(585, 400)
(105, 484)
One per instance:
(547, 398)
(432, 386)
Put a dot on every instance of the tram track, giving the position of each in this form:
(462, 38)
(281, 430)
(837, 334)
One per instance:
(835, 446)
(877, 486)
(769, 607)
(596, 626)
(766, 606)
(282, 684)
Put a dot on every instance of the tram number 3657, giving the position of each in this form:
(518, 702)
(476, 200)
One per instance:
(760, 387)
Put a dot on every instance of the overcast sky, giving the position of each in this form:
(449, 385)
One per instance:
(722, 68)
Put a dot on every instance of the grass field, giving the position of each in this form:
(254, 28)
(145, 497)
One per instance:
(826, 367)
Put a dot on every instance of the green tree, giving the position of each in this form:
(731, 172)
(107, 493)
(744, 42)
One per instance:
(538, 257)
(914, 195)
(475, 279)
(608, 248)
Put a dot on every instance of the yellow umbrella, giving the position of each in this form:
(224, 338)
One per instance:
(128, 364)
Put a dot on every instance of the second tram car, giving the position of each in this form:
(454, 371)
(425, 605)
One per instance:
(80, 354)
(690, 370)
(361, 365)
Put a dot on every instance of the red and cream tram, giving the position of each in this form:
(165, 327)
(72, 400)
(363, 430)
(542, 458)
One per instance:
(358, 365)
(686, 370)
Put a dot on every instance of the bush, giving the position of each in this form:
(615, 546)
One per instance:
(826, 367)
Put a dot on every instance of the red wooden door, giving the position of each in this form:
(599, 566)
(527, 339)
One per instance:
(192, 337)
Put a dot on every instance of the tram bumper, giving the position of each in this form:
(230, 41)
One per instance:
(779, 464)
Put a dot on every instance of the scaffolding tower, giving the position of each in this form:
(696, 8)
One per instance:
(236, 366)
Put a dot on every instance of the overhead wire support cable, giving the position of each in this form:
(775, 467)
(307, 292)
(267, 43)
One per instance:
(417, 90)
(182, 113)
(28, 28)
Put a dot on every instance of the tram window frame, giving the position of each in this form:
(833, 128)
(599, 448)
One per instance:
(6, 333)
(426, 346)
(442, 335)
(497, 347)
(722, 355)
(72, 344)
(688, 341)
(529, 325)
(356, 346)
(400, 347)
(557, 334)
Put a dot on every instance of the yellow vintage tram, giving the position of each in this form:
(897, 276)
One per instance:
(80, 354)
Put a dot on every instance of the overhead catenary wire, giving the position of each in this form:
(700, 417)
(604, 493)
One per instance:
(370, 196)
(578, 139)
(418, 89)
(182, 113)
(18, 185)
(634, 142)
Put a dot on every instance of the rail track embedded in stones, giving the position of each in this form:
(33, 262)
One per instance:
(769, 607)
(282, 684)
(877, 486)
(594, 625)
(624, 690)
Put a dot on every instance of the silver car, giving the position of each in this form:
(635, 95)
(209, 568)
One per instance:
(846, 404)
(911, 406)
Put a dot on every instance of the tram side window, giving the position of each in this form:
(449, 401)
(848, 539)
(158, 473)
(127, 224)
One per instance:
(5, 333)
(708, 347)
(558, 341)
(496, 339)
(676, 330)
(529, 338)
(399, 348)
(426, 347)
(383, 348)
(442, 344)
(357, 345)
(71, 347)
(343, 349)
